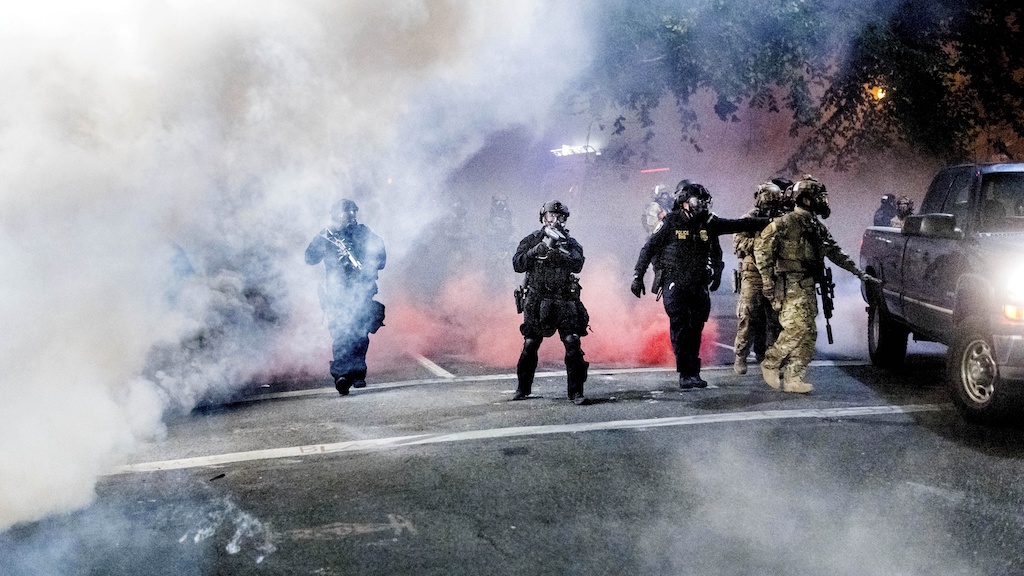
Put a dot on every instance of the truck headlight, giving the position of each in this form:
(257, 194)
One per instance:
(1014, 308)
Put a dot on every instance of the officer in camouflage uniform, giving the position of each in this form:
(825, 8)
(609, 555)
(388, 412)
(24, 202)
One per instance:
(551, 259)
(791, 253)
(904, 208)
(758, 325)
(688, 250)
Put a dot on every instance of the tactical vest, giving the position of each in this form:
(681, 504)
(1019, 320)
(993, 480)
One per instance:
(798, 245)
(686, 254)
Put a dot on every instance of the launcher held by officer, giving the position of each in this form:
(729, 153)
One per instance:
(549, 299)
(687, 247)
(352, 255)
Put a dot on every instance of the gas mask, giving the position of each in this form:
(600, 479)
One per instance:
(697, 207)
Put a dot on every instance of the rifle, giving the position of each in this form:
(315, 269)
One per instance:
(555, 239)
(823, 277)
(344, 252)
(827, 290)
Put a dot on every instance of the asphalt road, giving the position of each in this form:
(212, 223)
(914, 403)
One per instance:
(433, 470)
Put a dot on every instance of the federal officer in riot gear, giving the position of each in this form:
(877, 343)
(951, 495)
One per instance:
(790, 259)
(685, 244)
(886, 210)
(758, 322)
(904, 208)
(550, 299)
(352, 255)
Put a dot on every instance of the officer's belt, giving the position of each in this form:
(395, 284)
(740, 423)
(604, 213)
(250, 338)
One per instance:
(790, 266)
(554, 295)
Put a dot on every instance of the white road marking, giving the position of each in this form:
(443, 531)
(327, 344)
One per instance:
(330, 391)
(434, 368)
(437, 438)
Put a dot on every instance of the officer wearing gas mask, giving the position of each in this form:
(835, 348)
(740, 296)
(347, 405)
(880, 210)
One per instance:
(904, 208)
(550, 299)
(352, 256)
(758, 324)
(687, 248)
(790, 255)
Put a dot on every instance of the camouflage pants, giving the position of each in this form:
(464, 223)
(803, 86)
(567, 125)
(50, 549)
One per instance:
(758, 325)
(794, 348)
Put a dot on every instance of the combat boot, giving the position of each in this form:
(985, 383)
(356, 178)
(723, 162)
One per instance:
(797, 386)
(771, 375)
(794, 382)
(739, 365)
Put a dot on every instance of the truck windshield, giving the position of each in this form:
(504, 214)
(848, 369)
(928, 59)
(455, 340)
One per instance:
(1001, 206)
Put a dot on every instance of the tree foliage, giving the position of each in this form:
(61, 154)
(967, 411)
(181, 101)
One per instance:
(951, 71)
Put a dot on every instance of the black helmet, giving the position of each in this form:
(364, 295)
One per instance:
(810, 188)
(888, 199)
(344, 205)
(783, 183)
(685, 189)
(694, 198)
(556, 207)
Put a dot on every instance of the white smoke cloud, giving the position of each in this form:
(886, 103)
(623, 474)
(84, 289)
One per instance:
(163, 165)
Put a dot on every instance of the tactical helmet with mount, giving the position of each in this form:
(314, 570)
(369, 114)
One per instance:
(814, 191)
(694, 199)
(556, 207)
(768, 195)
(686, 190)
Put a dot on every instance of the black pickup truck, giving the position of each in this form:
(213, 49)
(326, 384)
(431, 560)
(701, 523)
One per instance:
(954, 274)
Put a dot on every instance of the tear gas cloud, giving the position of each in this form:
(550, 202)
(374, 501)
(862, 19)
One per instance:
(164, 165)
(751, 509)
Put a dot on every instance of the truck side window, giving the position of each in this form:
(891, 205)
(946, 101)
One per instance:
(959, 196)
(937, 192)
(1002, 201)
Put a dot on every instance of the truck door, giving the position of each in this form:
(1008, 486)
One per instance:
(931, 264)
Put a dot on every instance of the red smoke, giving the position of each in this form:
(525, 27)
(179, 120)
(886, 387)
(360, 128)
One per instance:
(471, 321)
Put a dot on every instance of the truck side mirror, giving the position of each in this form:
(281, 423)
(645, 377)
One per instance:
(932, 226)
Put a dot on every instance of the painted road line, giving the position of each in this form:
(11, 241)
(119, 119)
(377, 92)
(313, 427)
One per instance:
(434, 368)
(438, 438)
(330, 391)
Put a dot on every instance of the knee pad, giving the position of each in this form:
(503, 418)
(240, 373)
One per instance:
(531, 344)
(572, 343)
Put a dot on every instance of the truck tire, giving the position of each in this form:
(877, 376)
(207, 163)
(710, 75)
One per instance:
(887, 339)
(973, 376)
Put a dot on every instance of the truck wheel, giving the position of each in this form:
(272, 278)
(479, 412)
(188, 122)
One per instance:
(973, 376)
(887, 340)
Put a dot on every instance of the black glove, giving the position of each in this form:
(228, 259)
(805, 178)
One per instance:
(539, 251)
(637, 288)
(716, 280)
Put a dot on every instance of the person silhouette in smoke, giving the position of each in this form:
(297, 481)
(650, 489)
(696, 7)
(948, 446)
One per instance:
(352, 255)
(886, 210)
(550, 299)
